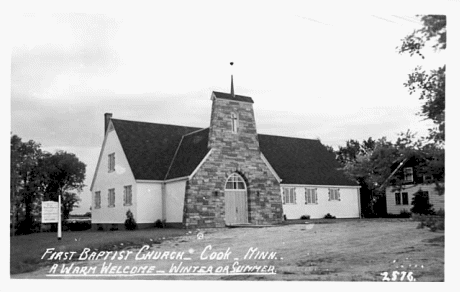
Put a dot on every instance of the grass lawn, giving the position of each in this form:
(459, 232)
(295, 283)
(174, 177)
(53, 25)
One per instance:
(26, 250)
(322, 250)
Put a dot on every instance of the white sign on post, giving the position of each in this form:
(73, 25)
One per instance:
(50, 212)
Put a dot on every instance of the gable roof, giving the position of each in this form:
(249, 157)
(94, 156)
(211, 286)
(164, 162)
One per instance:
(302, 161)
(149, 147)
(191, 151)
(160, 152)
(229, 96)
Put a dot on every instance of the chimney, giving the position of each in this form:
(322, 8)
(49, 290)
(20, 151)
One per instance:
(107, 117)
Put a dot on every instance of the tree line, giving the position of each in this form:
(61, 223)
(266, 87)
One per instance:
(37, 176)
(370, 162)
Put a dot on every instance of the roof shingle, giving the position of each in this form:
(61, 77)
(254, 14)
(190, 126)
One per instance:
(192, 149)
(231, 97)
(159, 152)
(149, 147)
(302, 161)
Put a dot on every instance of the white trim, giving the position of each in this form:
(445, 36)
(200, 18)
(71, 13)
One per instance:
(264, 159)
(174, 157)
(177, 150)
(162, 181)
(199, 165)
(359, 203)
(102, 150)
(194, 132)
(319, 186)
(163, 201)
(100, 156)
(226, 181)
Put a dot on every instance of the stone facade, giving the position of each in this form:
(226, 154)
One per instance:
(232, 152)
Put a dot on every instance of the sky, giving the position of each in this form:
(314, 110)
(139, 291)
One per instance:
(318, 75)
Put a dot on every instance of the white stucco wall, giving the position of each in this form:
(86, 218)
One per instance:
(175, 194)
(347, 207)
(149, 208)
(105, 180)
(436, 200)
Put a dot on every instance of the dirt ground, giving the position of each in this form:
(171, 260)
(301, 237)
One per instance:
(358, 250)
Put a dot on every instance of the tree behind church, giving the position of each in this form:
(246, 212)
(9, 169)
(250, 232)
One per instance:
(37, 175)
(62, 174)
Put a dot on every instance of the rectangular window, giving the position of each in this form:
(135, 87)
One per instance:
(127, 196)
(111, 197)
(405, 199)
(408, 174)
(334, 194)
(289, 196)
(426, 195)
(427, 178)
(111, 162)
(97, 200)
(398, 198)
(311, 196)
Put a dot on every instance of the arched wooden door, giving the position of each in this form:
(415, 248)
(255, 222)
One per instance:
(236, 210)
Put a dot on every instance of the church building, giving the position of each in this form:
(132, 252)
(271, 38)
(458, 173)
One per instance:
(226, 174)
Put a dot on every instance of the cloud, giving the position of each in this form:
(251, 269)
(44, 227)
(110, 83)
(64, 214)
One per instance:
(55, 55)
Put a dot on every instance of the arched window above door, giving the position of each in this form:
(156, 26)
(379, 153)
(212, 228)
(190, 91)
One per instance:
(235, 182)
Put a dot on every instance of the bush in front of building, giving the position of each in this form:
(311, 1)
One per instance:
(421, 204)
(405, 214)
(130, 222)
(159, 223)
(76, 225)
(329, 216)
(305, 217)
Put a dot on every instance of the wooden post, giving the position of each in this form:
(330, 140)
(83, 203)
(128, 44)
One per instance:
(59, 231)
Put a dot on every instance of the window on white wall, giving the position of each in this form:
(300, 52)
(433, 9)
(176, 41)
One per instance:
(111, 197)
(289, 196)
(334, 194)
(111, 162)
(128, 196)
(427, 178)
(408, 174)
(402, 198)
(397, 198)
(97, 200)
(405, 198)
(311, 196)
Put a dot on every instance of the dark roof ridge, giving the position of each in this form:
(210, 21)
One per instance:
(309, 139)
(230, 93)
(229, 96)
(131, 121)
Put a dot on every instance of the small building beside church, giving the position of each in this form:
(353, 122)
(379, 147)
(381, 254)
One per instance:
(226, 174)
(408, 178)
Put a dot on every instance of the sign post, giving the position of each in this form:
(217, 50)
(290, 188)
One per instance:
(59, 235)
(51, 213)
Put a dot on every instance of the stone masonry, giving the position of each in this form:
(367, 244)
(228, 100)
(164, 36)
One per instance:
(232, 152)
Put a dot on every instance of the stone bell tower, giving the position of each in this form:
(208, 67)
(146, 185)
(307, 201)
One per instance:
(233, 150)
(233, 126)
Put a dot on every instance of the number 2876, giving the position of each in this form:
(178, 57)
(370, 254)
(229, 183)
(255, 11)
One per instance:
(398, 276)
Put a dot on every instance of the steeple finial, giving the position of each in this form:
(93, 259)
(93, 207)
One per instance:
(232, 91)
